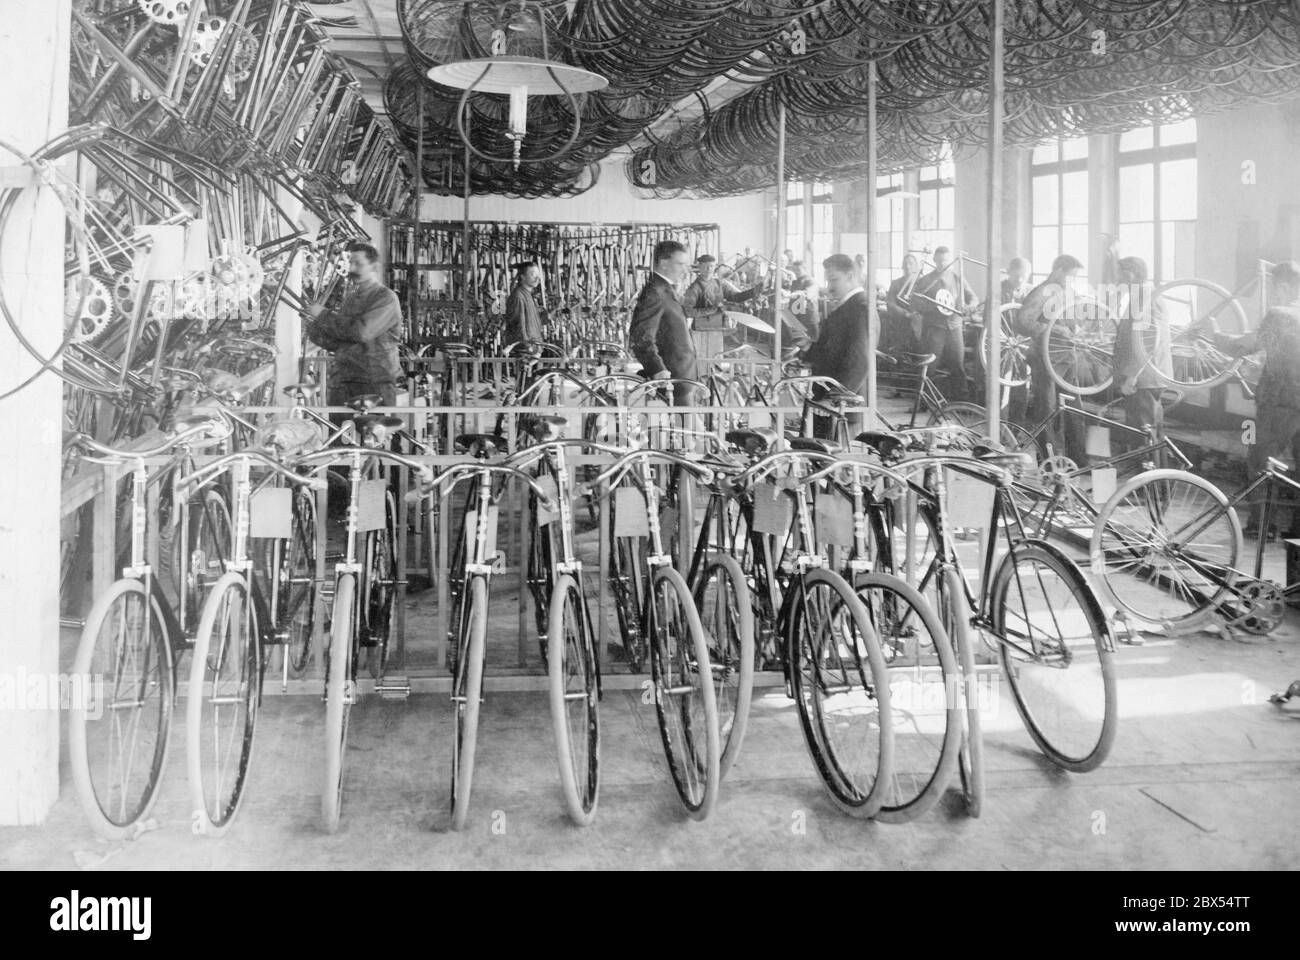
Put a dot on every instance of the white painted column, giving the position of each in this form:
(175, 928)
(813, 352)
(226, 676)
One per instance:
(288, 322)
(34, 72)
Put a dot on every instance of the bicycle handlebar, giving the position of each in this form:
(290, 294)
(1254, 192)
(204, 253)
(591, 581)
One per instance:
(751, 473)
(213, 430)
(876, 469)
(257, 456)
(447, 479)
(338, 455)
(625, 463)
(971, 465)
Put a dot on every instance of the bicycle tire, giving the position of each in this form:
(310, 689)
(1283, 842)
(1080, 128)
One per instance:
(1092, 750)
(694, 761)
(573, 658)
(626, 560)
(970, 755)
(1014, 363)
(912, 759)
(244, 654)
(381, 589)
(1069, 341)
(202, 560)
(108, 819)
(845, 788)
(298, 599)
(467, 698)
(1137, 534)
(975, 418)
(338, 678)
(731, 649)
(1195, 362)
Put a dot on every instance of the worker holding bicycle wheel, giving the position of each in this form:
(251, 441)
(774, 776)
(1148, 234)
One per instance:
(1041, 305)
(943, 297)
(1277, 398)
(1141, 343)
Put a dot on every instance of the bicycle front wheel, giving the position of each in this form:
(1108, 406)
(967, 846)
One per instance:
(841, 687)
(1165, 546)
(120, 722)
(684, 697)
(1056, 652)
(381, 590)
(467, 698)
(221, 709)
(922, 685)
(722, 598)
(298, 588)
(338, 693)
(574, 708)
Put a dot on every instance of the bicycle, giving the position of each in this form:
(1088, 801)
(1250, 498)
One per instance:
(368, 513)
(470, 612)
(133, 638)
(810, 620)
(236, 625)
(1179, 533)
(1029, 639)
(657, 616)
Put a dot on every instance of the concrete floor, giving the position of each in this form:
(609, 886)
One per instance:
(1204, 774)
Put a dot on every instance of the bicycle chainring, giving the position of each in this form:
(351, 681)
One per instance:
(96, 309)
(1256, 607)
(169, 12)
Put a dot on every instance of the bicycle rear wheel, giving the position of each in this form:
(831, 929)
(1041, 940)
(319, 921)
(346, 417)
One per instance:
(841, 687)
(970, 757)
(221, 706)
(467, 698)
(1080, 347)
(574, 700)
(684, 698)
(338, 693)
(923, 683)
(1165, 546)
(298, 587)
(381, 590)
(120, 722)
(726, 614)
(1056, 652)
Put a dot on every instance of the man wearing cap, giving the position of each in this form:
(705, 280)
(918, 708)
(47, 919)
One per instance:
(704, 300)
(523, 319)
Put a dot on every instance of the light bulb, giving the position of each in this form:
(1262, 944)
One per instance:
(518, 111)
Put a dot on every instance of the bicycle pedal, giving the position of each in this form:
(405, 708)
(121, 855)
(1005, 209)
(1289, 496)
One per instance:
(393, 688)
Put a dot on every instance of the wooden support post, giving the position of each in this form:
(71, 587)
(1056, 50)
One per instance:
(993, 364)
(778, 292)
(873, 253)
(36, 40)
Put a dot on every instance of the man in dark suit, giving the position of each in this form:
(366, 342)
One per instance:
(659, 336)
(843, 346)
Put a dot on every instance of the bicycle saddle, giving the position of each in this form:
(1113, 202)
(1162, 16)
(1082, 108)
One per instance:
(290, 437)
(548, 428)
(885, 359)
(457, 349)
(814, 445)
(755, 443)
(303, 391)
(480, 445)
(1007, 459)
(365, 402)
(216, 427)
(840, 395)
(917, 359)
(366, 422)
(888, 445)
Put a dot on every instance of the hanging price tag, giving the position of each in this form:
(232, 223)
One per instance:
(631, 518)
(271, 513)
(772, 510)
(471, 533)
(1104, 481)
(1097, 442)
(544, 516)
(370, 505)
(970, 501)
(833, 515)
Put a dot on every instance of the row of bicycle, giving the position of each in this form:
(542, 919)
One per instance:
(841, 570)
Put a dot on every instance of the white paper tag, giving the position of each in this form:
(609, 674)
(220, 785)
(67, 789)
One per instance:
(1097, 442)
(1104, 482)
(544, 516)
(970, 501)
(271, 513)
(631, 518)
(772, 510)
(833, 515)
(471, 532)
(370, 505)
